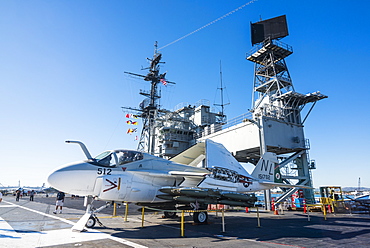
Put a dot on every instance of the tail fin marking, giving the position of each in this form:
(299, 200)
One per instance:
(267, 168)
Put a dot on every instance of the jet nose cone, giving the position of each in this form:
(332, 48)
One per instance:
(75, 178)
(55, 179)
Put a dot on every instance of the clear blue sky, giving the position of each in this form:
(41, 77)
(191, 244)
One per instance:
(62, 64)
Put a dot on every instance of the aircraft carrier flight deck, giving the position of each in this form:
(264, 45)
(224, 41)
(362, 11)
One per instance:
(33, 224)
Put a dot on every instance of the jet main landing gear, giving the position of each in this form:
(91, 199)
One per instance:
(200, 217)
(170, 215)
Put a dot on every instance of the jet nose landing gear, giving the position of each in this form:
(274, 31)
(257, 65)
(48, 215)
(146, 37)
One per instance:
(91, 222)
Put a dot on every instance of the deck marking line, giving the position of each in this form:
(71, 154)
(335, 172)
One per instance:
(47, 215)
(120, 240)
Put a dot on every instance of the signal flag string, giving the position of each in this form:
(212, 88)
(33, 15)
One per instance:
(208, 24)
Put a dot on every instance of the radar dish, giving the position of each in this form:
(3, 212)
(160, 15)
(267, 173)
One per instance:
(273, 28)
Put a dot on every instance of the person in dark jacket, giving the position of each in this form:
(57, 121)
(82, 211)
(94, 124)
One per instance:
(59, 202)
(32, 193)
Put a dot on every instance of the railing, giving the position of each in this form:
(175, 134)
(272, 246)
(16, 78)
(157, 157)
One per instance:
(204, 102)
(232, 122)
(237, 120)
(267, 42)
(201, 102)
(181, 105)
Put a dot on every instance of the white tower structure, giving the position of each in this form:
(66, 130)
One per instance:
(275, 123)
(276, 105)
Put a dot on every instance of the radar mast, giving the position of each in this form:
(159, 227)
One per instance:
(149, 107)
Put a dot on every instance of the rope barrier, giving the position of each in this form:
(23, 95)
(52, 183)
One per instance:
(185, 211)
(182, 217)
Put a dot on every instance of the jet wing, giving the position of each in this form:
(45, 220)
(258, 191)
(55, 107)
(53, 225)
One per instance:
(207, 196)
(219, 157)
(154, 173)
(191, 154)
(211, 155)
(172, 173)
(190, 178)
(284, 185)
(188, 174)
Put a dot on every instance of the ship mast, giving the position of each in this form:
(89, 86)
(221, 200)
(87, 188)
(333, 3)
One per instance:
(221, 117)
(149, 107)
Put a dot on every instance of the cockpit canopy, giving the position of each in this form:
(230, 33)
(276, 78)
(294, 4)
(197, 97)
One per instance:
(117, 157)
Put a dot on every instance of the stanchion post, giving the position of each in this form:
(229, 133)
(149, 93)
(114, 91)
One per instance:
(308, 213)
(223, 221)
(142, 216)
(282, 208)
(182, 223)
(258, 218)
(324, 212)
(126, 211)
(114, 209)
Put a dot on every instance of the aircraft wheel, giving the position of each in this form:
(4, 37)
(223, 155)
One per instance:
(91, 222)
(169, 215)
(200, 217)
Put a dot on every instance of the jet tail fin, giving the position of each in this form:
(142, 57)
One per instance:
(267, 168)
(268, 172)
